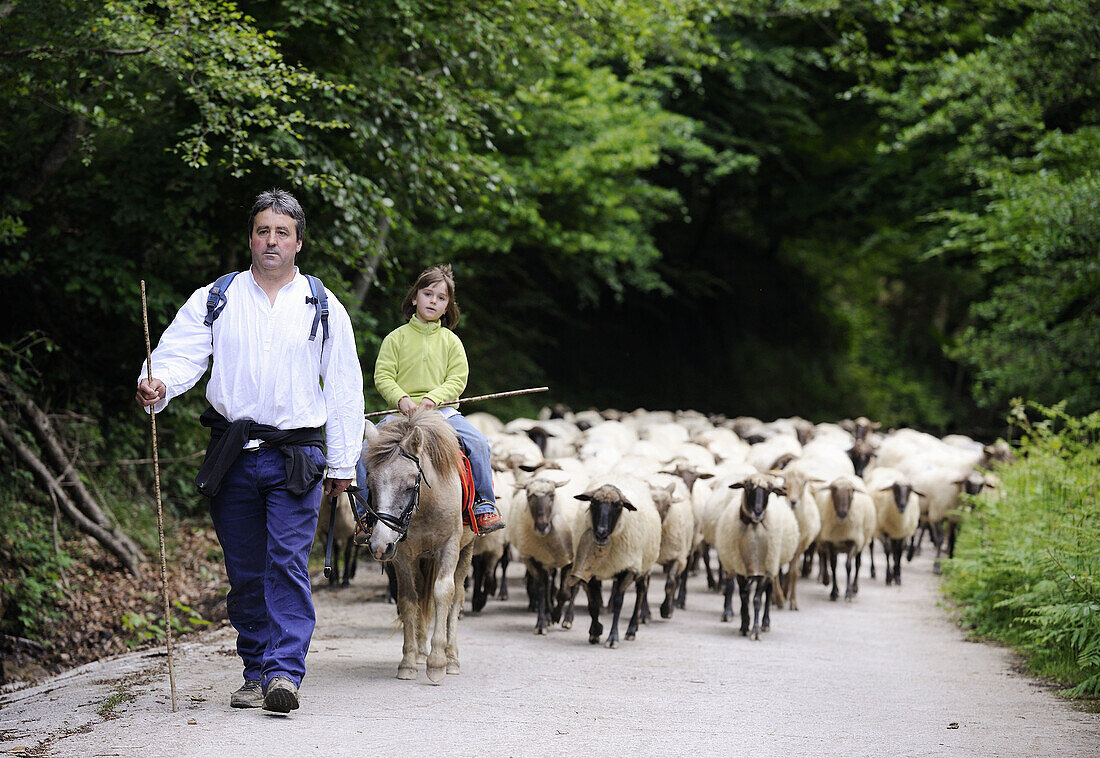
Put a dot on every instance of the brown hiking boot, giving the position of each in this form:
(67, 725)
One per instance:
(250, 695)
(281, 695)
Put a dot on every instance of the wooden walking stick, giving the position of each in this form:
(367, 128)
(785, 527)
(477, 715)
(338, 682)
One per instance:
(491, 396)
(160, 512)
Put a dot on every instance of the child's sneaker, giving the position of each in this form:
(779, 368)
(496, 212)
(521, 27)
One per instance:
(489, 521)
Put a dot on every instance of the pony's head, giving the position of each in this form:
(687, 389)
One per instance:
(402, 456)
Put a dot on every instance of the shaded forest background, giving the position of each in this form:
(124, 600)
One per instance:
(813, 207)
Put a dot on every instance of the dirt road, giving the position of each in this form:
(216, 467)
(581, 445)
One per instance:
(888, 674)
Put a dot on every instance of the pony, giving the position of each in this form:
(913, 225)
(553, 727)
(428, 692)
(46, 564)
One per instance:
(420, 533)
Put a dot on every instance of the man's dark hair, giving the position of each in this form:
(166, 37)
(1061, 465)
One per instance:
(280, 201)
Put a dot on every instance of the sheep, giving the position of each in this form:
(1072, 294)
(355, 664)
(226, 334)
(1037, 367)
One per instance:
(486, 423)
(709, 502)
(619, 539)
(541, 528)
(723, 444)
(942, 486)
(753, 541)
(556, 438)
(897, 507)
(847, 524)
(492, 550)
(603, 444)
(510, 451)
(342, 538)
(774, 452)
(673, 502)
(802, 502)
(861, 428)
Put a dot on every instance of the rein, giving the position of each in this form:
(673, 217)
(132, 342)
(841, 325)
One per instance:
(400, 522)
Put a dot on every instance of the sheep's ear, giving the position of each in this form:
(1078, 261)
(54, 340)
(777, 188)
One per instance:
(737, 486)
(529, 469)
(559, 485)
(779, 489)
(919, 494)
(959, 482)
(670, 487)
(628, 505)
(876, 424)
(584, 496)
(705, 476)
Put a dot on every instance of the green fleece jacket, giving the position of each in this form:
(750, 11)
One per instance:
(421, 360)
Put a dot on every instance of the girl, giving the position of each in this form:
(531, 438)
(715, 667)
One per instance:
(422, 364)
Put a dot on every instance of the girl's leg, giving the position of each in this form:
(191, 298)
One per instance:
(477, 449)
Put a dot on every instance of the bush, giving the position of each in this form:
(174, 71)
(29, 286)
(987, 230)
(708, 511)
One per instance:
(1027, 567)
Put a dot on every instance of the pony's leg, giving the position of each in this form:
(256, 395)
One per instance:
(408, 612)
(461, 570)
(425, 591)
(442, 581)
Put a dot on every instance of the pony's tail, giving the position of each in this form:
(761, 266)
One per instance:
(427, 570)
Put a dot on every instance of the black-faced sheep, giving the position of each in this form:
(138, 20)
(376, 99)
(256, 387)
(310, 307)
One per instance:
(753, 541)
(619, 539)
(848, 523)
(897, 507)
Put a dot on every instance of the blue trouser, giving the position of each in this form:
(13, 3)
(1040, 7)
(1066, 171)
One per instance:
(477, 449)
(266, 535)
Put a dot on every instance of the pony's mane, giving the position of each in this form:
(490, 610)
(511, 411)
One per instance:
(438, 441)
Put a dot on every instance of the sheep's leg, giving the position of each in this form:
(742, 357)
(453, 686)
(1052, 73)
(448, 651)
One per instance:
(712, 583)
(952, 533)
(871, 552)
(936, 531)
(539, 580)
(641, 589)
(757, 595)
(644, 614)
(480, 594)
(566, 597)
(792, 583)
(552, 594)
(349, 562)
(848, 577)
(743, 591)
(826, 564)
(727, 608)
(769, 585)
(682, 589)
(832, 567)
(532, 603)
(503, 563)
(855, 576)
(808, 561)
(594, 602)
(671, 581)
(776, 588)
(618, 592)
(896, 548)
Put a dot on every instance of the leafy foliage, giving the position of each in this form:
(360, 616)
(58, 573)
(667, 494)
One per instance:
(1027, 566)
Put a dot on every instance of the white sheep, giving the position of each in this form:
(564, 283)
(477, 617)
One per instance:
(723, 444)
(753, 541)
(492, 550)
(897, 509)
(511, 451)
(940, 487)
(673, 503)
(801, 499)
(619, 539)
(774, 452)
(848, 523)
(541, 529)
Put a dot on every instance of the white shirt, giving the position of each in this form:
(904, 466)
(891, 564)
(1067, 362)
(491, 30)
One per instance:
(266, 368)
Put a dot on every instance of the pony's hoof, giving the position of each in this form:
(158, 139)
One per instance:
(421, 659)
(406, 674)
(453, 668)
(436, 673)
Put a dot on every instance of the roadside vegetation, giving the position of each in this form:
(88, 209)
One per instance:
(1027, 565)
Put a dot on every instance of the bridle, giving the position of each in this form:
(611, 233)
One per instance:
(400, 522)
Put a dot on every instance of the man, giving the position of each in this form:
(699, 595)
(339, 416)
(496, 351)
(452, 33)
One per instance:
(276, 381)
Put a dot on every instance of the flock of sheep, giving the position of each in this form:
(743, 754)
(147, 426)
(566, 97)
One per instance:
(591, 497)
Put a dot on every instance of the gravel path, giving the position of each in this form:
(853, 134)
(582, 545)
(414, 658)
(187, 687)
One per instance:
(888, 674)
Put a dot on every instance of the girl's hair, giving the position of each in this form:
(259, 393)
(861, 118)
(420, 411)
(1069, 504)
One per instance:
(428, 277)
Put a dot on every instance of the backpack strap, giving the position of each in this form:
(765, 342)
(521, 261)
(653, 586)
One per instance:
(320, 301)
(216, 300)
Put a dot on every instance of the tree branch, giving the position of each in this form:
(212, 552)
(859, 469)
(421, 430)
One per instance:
(108, 538)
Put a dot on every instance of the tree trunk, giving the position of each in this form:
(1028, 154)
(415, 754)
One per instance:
(367, 275)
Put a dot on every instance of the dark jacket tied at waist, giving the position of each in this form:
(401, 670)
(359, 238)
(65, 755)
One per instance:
(227, 441)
